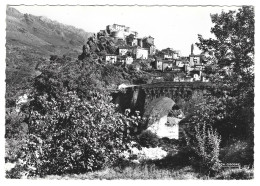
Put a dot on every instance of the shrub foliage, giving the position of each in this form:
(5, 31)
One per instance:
(207, 147)
(148, 139)
(72, 128)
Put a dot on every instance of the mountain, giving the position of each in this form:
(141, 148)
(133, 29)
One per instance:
(32, 39)
(47, 36)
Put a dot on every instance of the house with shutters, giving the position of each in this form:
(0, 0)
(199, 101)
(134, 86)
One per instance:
(123, 50)
(111, 58)
(140, 53)
(195, 60)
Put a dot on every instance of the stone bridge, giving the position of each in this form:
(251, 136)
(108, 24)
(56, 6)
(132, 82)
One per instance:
(137, 97)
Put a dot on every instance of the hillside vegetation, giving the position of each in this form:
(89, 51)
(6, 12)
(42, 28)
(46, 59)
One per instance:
(47, 36)
(30, 40)
(66, 126)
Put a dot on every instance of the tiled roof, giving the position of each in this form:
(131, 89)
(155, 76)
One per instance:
(124, 47)
(167, 61)
(110, 55)
(193, 55)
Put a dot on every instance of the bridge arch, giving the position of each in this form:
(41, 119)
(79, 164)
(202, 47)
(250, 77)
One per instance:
(138, 97)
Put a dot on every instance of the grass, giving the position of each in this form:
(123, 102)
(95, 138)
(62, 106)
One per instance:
(152, 173)
(236, 174)
(133, 173)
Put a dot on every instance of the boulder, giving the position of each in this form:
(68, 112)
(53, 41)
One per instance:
(166, 127)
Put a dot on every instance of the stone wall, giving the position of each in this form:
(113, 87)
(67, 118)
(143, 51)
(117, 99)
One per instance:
(136, 98)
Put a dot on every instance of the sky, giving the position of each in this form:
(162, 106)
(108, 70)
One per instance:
(174, 27)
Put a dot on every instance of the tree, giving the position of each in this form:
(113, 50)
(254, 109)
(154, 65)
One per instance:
(72, 125)
(234, 48)
(234, 43)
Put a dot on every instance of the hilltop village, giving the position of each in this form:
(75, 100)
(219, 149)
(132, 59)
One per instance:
(120, 45)
(111, 105)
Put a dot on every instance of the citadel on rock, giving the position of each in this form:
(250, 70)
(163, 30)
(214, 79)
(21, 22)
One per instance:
(120, 45)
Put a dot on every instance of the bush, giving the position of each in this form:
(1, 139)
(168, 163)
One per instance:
(15, 173)
(74, 135)
(206, 146)
(14, 126)
(169, 144)
(237, 174)
(72, 125)
(176, 158)
(15, 134)
(53, 57)
(148, 139)
(239, 152)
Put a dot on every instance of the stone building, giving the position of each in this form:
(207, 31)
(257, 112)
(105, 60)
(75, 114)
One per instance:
(148, 42)
(180, 63)
(115, 27)
(131, 40)
(118, 34)
(120, 31)
(169, 53)
(123, 50)
(162, 65)
(140, 53)
(158, 64)
(194, 59)
(110, 58)
(167, 65)
(128, 60)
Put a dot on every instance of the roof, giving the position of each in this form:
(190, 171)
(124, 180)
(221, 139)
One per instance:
(158, 58)
(119, 25)
(148, 37)
(138, 47)
(175, 67)
(120, 42)
(150, 44)
(168, 50)
(167, 61)
(131, 35)
(193, 55)
(124, 47)
(110, 55)
(123, 57)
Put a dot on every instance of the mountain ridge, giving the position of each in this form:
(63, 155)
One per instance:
(41, 31)
(31, 40)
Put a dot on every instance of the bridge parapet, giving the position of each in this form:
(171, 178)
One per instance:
(137, 97)
(193, 85)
